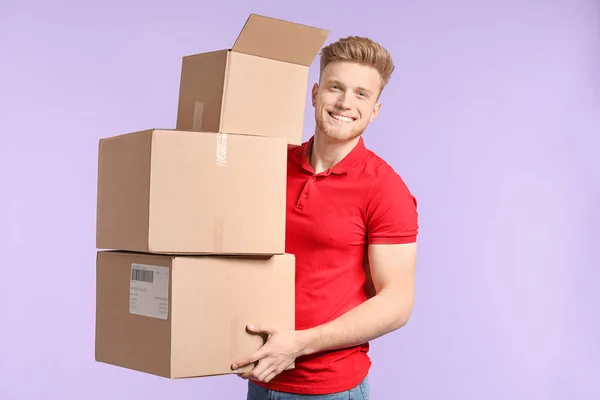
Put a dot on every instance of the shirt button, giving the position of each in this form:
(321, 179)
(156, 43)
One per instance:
(314, 178)
(305, 195)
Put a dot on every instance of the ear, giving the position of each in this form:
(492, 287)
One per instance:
(315, 91)
(375, 111)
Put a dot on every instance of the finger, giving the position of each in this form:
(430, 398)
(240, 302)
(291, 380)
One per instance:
(271, 376)
(266, 373)
(257, 328)
(263, 367)
(246, 375)
(248, 360)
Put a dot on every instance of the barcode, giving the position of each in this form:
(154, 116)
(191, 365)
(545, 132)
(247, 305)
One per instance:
(142, 275)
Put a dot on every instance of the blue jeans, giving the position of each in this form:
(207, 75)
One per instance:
(360, 392)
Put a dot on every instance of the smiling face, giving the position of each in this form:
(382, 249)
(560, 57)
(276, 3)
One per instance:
(346, 100)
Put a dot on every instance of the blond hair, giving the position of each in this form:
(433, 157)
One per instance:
(360, 50)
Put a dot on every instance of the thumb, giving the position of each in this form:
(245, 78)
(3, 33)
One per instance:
(260, 329)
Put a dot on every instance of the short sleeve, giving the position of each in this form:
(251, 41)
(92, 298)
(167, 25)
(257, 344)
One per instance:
(392, 216)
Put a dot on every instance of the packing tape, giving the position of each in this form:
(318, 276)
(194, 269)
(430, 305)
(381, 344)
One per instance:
(221, 161)
(198, 116)
(221, 149)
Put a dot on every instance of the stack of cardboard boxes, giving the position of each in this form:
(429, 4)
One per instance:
(191, 220)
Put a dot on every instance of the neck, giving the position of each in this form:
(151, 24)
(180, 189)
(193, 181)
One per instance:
(326, 153)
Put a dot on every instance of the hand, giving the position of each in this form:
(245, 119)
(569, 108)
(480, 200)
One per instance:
(280, 350)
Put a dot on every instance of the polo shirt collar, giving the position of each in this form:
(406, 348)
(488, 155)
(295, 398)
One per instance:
(352, 160)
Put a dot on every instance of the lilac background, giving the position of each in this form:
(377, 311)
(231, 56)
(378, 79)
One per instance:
(493, 119)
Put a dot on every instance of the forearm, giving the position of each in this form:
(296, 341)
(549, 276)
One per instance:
(381, 314)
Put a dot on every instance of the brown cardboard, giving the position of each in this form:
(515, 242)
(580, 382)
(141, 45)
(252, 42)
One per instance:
(180, 192)
(258, 87)
(210, 301)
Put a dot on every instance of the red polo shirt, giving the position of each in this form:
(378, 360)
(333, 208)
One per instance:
(331, 218)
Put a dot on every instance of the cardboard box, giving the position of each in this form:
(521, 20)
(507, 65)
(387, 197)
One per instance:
(259, 86)
(186, 316)
(179, 192)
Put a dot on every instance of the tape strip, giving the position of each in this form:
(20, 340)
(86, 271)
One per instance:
(198, 116)
(221, 149)
(221, 161)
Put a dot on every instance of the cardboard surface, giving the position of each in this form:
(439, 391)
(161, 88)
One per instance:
(257, 87)
(179, 192)
(194, 217)
(280, 40)
(199, 327)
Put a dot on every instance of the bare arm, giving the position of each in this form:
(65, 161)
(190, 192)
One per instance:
(393, 271)
(391, 214)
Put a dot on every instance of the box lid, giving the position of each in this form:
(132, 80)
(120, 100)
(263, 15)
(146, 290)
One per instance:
(280, 40)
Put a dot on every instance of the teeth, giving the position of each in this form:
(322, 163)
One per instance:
(341, 118)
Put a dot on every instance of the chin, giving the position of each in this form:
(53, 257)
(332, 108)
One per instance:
(337, 136)
(337, 133)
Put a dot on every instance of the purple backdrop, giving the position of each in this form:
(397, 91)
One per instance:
(492, 118)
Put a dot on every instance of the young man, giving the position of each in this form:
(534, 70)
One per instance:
(352, 225)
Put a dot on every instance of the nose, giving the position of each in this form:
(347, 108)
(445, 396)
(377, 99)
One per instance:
(343, 100)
